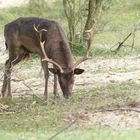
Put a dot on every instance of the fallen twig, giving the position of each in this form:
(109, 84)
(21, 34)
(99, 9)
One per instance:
(7, 113)
(62, 130)
(117, 109)
(30, 89)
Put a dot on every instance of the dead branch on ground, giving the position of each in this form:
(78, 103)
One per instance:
(121, 44)
(7, 113)
(30, 89)
(62, 130)
(117, 109)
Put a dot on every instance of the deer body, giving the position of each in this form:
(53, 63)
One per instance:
(21, 39)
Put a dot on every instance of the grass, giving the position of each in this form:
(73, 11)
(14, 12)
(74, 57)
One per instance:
(115, 70)
(38, 120)
(92, 134)
(31, 9)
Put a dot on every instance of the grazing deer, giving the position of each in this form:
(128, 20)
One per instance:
(47, 39)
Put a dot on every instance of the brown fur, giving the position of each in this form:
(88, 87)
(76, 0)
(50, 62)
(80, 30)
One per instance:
(21, 39)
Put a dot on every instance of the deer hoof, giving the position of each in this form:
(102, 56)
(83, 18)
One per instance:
(56, 97)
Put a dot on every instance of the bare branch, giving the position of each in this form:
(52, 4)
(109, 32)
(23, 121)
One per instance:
(118, 109)
(121, 44)
(30, 89)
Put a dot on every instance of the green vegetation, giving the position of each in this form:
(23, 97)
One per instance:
(37, 120)
(32, 9)
(115, 70)
(92, 134)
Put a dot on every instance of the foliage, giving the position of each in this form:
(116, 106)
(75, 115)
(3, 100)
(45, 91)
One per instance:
(74, 11)
(40, 6)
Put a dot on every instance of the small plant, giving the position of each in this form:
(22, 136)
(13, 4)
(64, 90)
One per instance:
(37, 6)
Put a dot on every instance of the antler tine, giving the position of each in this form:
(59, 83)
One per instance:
(89, 40)
(39, 31)
(47, 59)
(43, 49)
(82, 59)
(36, 28)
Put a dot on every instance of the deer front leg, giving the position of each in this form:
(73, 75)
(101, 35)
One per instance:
(46, 75)
(55, 92)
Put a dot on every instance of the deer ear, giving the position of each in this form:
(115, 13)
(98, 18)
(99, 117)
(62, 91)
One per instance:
(53, 70)
(78, 71)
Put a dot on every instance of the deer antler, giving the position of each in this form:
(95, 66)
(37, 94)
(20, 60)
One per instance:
(43, 49)
(89, 41)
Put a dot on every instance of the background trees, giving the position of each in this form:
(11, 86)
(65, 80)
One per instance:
(82, 17)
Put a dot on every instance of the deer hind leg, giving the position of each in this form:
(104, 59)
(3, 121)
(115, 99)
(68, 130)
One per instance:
(7, 78)
(14, 58)
(46, 75)
(4, 87)
(7, 74)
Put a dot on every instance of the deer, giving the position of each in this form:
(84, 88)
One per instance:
(46, 38)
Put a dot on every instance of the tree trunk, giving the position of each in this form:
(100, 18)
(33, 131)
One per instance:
(94, 12)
